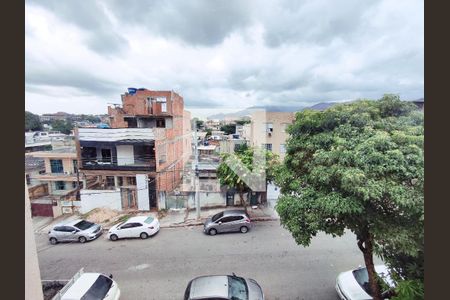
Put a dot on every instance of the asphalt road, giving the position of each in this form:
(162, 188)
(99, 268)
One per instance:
(161, 267)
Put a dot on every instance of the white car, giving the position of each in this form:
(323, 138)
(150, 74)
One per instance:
(354, 284)
(90, 286)
(141, 226)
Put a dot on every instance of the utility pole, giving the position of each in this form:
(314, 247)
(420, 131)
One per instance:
(196, 180)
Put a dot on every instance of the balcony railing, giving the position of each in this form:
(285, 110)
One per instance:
(101, 164)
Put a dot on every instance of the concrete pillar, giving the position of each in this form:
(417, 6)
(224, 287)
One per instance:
(33, 285)
(116, 182)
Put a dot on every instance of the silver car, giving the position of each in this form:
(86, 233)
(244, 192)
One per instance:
(228, 221)
(229, 287)
(77, 230)
(354, 284)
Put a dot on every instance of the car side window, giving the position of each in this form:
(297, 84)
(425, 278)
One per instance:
(58, 228)
(137, 225)
(227, 219)
(238, 218)
(68, 229)
(125, 226)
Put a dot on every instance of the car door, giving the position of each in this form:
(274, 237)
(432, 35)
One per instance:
(72, 233)
(138, 228)
(125, 230)
(65, 233)
(58, 231)
(225, 223)
(235, 223)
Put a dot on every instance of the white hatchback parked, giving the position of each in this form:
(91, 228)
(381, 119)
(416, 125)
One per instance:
(141, 226)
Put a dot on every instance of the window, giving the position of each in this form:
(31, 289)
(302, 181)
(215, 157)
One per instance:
(282, 148)
(237, 288)
(99, 289)
(163, 107)
(74, 184)
(67, 229)
(132, 180)
(149, 220)
(28, 179)
(106, 155)
(217, 216)
(56, 166)
(75, 166)
(267, 147)
(227, 219)
(110, 181)
(129, 225)
(58, 228)
(83, 225)
(60, 185)
(269, 127)
(160, 123)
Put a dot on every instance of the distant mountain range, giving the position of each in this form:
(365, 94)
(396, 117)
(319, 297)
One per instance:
(248, 111)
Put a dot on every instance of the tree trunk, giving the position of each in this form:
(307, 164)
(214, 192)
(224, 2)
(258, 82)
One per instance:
(367, 251)
(243, 202)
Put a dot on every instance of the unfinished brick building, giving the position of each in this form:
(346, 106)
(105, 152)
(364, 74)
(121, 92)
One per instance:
(143, 154)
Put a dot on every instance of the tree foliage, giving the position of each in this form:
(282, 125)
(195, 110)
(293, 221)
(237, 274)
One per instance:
(246, 155)
(229, 128)
(32, 122)
(63, 126)
(358, 167)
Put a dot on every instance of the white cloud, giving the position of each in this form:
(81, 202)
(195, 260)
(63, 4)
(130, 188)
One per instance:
(79, 58)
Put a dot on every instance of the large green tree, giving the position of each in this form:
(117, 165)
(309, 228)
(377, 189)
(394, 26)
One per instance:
(32, 122)
(357, 167)
(246, 156)
(63, 126)
(228, 128)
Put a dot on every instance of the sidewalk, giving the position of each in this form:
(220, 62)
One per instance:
(167, 219)
(182, 218)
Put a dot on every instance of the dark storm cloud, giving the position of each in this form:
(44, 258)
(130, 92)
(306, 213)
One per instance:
(290, 52)
(89, 16)
(315, 22)
(197, 22)
(81, 81)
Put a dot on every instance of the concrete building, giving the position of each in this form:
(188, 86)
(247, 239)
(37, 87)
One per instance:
(268, 130)
(54, 191)
(142, 155)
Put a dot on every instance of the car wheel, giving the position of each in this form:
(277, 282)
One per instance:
(244, 229)
(113, 237)
(53, 241)
(212, 232)
(82, 239)
(143, 235)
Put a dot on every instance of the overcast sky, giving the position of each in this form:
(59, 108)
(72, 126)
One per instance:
(221, 56)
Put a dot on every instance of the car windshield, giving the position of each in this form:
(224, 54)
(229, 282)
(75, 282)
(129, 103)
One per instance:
(217, 216)
(99, 289)
(237, 288)
(149, 220)
(83, 225)
(362, 277)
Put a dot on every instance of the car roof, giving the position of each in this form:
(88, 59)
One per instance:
(68, 223)
(138, 219)
(80, 286)
(234, 212)
(209, 286)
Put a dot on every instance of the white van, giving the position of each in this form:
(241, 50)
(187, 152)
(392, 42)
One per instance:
(92, 286)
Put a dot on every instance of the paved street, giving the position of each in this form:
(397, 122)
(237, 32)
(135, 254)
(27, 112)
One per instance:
(160, 267)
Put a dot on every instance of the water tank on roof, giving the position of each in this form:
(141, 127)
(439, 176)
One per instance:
(132, 91)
